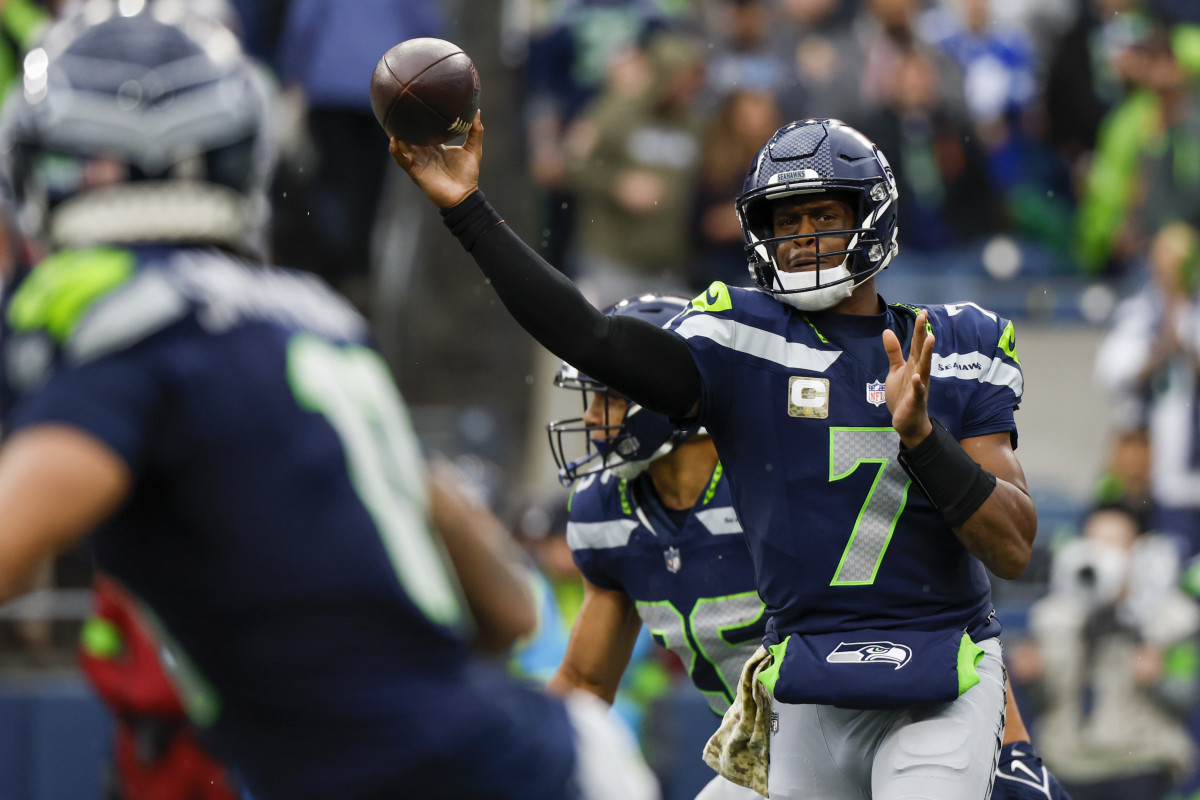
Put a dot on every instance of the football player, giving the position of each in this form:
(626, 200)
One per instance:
(242, 455)
(868, 448)
(652, 530)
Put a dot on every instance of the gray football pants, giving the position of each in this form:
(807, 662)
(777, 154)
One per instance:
(938, 752)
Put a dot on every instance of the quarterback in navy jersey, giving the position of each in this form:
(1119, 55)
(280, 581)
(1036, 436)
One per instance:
(869, 449)
(241, 453)
(652, 531)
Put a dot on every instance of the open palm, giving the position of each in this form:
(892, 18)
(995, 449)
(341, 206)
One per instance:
(907, 384)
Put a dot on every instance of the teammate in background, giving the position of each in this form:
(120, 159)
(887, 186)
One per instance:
(653, 532)
(823, 421)
(243, 456)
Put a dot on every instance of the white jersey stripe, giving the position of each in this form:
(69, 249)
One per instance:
(978, 367)
(755, 342)
(720, 520)
(133, 312)
(598, 535)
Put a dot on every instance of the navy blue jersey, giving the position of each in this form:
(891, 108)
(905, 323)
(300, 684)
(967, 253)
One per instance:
(840, 540)
(693, 587)
(276, 528)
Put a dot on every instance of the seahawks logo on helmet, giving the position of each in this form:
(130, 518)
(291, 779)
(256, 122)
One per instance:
(870, 652)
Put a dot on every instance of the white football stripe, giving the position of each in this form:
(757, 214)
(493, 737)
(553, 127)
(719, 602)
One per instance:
(978, 367)
(145, 305)
(753, 341)
(719, 520)
(598, 535)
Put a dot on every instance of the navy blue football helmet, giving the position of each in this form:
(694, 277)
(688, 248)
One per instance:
(810, 157)
(140, 121)
(626, 448)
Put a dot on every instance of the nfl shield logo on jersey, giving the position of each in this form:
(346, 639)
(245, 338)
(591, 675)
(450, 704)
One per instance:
(673, 559)
(876, 395)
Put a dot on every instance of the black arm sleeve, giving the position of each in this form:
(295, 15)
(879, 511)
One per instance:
(646, 364)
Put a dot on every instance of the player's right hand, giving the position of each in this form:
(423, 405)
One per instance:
(907, 384)
(447, 175)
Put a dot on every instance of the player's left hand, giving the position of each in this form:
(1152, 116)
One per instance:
(907, 384)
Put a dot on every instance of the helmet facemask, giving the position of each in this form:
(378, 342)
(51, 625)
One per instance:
(628, 446)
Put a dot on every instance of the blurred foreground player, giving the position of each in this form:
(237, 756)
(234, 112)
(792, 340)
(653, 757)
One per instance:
(243, 456)
(654, 534)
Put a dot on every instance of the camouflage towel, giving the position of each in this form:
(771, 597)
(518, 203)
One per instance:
(741, 748)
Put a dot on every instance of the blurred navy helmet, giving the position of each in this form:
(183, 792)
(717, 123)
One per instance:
(812, 157)
(628, 446)
(139, 121)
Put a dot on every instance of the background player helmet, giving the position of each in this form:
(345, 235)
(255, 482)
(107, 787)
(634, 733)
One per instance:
(643, 436)
(809, 157)
(139, 121)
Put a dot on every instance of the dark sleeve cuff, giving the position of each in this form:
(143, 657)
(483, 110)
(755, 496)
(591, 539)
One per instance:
(471, 218)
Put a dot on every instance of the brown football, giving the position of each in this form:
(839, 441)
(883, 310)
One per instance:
(425, 91)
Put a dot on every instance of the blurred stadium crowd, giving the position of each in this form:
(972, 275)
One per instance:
(1048, 156)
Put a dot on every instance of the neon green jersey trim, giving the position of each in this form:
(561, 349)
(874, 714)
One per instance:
(1008, 343)
(100, 638)
(715, 298)
(64, 287)
(816, 330)
(969, 655)
(916, 310)
(712, 484)
(770, 676)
